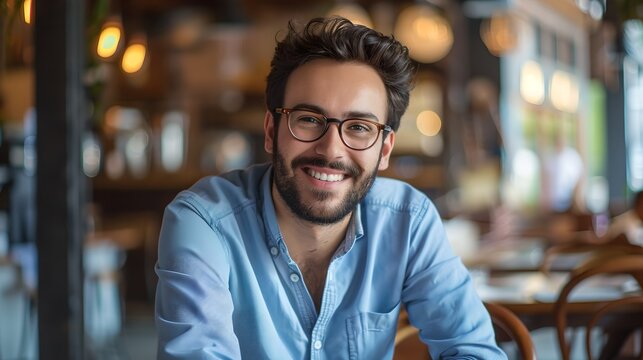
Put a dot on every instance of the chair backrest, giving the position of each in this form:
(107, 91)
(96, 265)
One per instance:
(507, 324)
(613, 307)
(613, 264)
(408, 345)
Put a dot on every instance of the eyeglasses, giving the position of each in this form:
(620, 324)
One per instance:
(308, 126)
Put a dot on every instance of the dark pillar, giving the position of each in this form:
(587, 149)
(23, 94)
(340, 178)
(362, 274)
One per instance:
(616, 150)
(60, 107)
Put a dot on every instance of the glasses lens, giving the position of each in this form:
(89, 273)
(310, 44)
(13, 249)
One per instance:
(306, 125)
(359, 134)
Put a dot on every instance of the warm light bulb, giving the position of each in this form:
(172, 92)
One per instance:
(133, 58)
(426, 33)
(429, 123)
(532, 83)
(26, 11)
(108, 41)
(499, 34)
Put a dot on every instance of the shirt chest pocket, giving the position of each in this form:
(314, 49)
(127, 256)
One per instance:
(371, 335)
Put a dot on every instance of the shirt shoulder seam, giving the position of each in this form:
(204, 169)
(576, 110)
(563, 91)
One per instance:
(212, 221)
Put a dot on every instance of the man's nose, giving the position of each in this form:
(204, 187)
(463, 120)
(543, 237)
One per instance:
(331, 145)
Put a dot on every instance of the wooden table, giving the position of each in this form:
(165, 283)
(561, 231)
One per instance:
(531, 295)
(521, 255)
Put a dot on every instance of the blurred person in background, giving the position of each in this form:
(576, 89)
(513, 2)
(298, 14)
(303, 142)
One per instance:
(628, 226)
(564, 169)
(313, 256)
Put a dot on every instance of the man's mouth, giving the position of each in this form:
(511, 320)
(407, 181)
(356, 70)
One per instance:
(322, 170)
(324, 176)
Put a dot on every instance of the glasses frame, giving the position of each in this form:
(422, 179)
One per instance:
(380, 127)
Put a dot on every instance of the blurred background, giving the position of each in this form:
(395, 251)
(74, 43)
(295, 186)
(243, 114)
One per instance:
(523, 111)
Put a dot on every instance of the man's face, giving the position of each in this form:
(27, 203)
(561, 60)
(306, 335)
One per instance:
(322, 181)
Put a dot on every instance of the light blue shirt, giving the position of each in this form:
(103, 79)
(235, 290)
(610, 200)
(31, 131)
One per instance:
(229, 290)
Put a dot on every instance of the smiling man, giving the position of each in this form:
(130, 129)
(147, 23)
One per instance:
(313, 256)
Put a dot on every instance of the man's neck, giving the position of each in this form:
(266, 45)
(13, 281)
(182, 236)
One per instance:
(310, 245)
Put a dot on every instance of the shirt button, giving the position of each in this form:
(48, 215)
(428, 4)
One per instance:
(274, 251)
(317, 345)
(294, 277)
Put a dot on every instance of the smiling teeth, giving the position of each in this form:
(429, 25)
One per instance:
(326, 177)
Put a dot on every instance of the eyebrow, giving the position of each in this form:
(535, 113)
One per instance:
(348, 115)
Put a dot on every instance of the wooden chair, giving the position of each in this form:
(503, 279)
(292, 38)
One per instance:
(509, 327)
(408, 345)
(598, 265)
(611, 308)
(618, 246)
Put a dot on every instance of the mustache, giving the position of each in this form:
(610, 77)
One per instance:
(351, 170)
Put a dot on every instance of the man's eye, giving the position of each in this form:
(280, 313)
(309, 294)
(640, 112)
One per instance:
(359, 127)
(309, 120)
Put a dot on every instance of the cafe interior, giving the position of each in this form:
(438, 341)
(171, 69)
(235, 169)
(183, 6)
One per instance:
(525, 128)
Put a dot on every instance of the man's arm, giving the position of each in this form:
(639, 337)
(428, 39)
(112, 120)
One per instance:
(193, 303)
(441, 300)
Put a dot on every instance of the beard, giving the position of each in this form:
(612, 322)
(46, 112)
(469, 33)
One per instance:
(313, 211)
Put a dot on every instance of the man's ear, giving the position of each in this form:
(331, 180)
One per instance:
(387, 148)
(269, 132)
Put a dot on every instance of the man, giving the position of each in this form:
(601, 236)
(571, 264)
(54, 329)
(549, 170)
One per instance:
(311, 257)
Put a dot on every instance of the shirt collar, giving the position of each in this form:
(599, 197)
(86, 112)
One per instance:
(268, 213)
(355, 232)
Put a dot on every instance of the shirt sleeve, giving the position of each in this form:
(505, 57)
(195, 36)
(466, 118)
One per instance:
(440, 298)
(193, 310)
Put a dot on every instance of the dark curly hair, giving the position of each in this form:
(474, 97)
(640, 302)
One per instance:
(339, 39)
